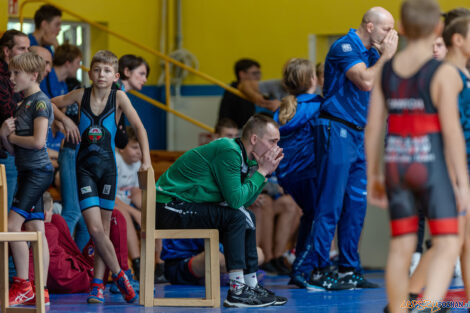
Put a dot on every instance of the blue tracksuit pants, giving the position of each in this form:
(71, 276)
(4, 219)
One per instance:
(342, 198)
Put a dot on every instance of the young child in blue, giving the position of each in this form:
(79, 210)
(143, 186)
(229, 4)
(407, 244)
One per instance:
(100, 109)
(296, 172)
(26, 138)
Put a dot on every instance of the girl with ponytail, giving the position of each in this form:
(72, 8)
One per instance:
(297, 118)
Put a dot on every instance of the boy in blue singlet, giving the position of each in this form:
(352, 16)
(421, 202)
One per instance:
(100, 109)
(419, 95)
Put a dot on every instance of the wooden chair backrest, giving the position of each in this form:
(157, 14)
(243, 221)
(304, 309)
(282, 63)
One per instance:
(3, 200)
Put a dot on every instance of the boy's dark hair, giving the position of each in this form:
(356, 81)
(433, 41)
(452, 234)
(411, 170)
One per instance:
(419, 18)
(257, 125)
(131, 62)
(224, 123)
(453, 14)
(459, 26)
(45, 13)
(131, 135)
(66, 52)
(8, 40)
(243, 65)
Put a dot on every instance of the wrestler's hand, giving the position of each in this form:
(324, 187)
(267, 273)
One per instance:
(71, 130)
(376, 194)
(8, 127)
(462, 196)
(389, 45)
(269, 161)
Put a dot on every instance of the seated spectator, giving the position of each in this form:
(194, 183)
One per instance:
(133, 73)
(46, 56)
(185, 261)
(225, 127)
(277, 220)
(47, 23)
(210, 187)
(66, 62)
(264, 96)
(71, 271)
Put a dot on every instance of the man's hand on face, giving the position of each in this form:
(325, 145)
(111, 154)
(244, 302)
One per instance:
(389, 45)
(269, 161)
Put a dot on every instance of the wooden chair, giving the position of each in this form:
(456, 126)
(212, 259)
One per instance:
(36, 241)
(148, 236)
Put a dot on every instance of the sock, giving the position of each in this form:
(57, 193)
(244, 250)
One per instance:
(251, 280)
(236, 281)
(413, 296)
(97, 281)
(115, 276)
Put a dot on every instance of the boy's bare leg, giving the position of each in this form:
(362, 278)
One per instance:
(264, 213)
(288, 219)
(441, 267)
(98, 224)
(396, 273)
(19, 250)
(37, 225)
(465, 253)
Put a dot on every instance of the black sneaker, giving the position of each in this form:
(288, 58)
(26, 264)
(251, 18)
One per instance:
(358, 280)
(329, 281)
(269, 268)
(280, 266)
(159, 277)
(266, 292)
(248, 297)
(411, 297)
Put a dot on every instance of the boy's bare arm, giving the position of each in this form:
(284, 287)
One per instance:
(37, 141)
(136, 197)
(445, 89)
(374, 143)
(71, 130)
(126, 106)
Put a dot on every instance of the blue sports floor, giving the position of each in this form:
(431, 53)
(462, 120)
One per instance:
(349, 301)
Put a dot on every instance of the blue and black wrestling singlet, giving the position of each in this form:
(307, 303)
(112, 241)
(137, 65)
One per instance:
(96, 162)
(416, 170)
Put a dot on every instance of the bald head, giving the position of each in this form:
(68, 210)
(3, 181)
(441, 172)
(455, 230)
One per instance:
(45, 55)
(375, 25)
(377, 15)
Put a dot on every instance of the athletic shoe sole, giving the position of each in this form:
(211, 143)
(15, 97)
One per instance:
(229, 304)
(94, 300)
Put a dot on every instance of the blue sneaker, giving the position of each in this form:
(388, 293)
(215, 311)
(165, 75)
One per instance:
(124, 286)
(96, 293)
(300, 281)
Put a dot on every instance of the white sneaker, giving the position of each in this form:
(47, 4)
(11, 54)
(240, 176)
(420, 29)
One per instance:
(457, 269)
(414, 262)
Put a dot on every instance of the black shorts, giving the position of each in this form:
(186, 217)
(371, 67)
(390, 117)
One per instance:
(178, 272)
(96, 182)
(424, 185)
(31, 185)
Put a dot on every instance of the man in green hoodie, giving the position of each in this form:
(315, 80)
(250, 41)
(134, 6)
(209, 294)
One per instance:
(211, 186)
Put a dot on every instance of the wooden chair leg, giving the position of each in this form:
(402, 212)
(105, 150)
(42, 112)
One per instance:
(39, 273)
(4, 298)
(215, 269)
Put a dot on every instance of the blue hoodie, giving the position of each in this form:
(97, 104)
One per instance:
(297, 140)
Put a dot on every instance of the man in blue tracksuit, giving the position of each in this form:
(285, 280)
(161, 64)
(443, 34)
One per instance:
(350, 68)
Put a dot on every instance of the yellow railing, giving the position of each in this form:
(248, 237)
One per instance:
(157, 53)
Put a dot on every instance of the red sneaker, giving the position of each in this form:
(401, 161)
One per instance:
(47, 301)
(125, 287)
(20, 291)
(96, 293)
